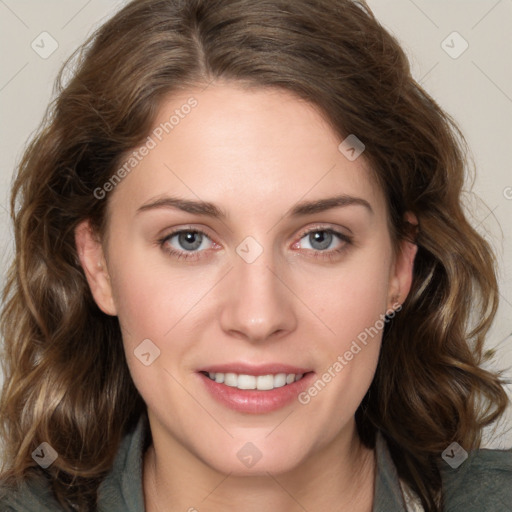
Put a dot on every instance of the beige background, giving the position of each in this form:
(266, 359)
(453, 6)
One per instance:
(474, 86)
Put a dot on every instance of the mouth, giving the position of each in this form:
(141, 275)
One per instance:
(245, 381)
(255, 389)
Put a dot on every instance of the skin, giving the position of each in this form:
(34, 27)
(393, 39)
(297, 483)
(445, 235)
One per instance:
(255, 154)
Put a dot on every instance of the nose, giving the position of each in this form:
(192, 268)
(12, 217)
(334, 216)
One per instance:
(257, 305)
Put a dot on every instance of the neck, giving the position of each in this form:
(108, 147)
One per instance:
(339, 477)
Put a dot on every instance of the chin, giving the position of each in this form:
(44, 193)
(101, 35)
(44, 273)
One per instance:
(256, 458)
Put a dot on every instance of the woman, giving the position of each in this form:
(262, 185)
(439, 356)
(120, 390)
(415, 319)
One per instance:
(243, 276)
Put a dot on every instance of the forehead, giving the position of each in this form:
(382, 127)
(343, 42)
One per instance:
(251, 150)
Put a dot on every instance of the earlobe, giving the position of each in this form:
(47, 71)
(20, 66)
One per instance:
(401, 279)
(92, 259)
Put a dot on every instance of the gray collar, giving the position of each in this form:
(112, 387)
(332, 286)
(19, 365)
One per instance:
(122, 488)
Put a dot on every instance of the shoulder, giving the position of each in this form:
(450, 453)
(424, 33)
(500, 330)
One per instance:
(482, 482)
(120, 490)
(33, 495)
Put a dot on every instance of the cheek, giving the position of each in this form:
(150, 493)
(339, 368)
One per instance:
(159, 302)
(354, 313)
(140, 312)
(145, 303)
(352, 305)
(152, 310)
(147, 293)
(354, 296)
(351, 302)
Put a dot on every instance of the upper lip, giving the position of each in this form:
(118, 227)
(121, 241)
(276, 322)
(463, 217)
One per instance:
(254, 369)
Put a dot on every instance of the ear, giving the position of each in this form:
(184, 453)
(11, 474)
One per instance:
(92, 259)
(402, 271)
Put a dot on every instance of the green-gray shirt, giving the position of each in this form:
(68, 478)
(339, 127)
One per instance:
(482, 483)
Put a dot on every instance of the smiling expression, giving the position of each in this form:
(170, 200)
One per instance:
(246, 244)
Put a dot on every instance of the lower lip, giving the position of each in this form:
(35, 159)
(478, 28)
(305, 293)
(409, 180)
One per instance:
(254, 401)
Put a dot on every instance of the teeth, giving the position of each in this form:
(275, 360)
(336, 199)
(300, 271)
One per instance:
(260, 382)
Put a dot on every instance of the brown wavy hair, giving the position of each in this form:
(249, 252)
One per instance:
(66, 378)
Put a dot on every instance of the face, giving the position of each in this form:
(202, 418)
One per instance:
(275, 270)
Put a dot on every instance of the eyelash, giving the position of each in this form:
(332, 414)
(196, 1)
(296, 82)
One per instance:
(191, 255)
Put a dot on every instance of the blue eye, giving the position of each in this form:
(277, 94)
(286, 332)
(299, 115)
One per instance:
(323, 243)
(320, 240)
(186, 243)
(189, 240)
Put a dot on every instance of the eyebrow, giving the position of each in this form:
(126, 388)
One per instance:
(211, 210)
(320, 205)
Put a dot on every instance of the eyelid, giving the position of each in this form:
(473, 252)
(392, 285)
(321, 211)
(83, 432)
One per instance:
(187, 228)
(346, 238)
(328, 228)
(302, 233)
